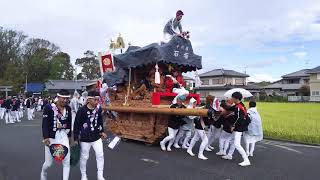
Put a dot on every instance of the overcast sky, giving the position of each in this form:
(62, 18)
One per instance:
(267, 38)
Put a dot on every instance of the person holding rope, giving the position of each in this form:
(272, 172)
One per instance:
(239, 125)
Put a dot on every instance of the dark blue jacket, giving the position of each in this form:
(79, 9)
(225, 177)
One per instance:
(82, 125)
(48, 130)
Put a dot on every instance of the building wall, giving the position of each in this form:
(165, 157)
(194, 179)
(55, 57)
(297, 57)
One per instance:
(220, 81)
(315, 85)
(217, 93)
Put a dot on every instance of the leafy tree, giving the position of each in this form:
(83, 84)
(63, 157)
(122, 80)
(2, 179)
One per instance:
(61, 67)
(37, 56)
(304, 90)
(90, 65)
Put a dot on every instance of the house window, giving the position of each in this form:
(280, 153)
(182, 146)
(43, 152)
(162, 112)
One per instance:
(217, 81)
(293, 81)
(318, 76)
(204, 93)
(239, 81)
(315, 93)
(205, 82)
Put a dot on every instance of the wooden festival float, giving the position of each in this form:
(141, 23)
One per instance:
(142, 105)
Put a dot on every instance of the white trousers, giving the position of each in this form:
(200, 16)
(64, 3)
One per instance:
(8, 115)
(49, 161)
(237, 144)
(2, 110)
(16, 116)
(197, 135)
(30, 113)
(172, 134)
(213, 134)
(73, 118)
(20, 113)
(98, 149)
(181, 133)
(226, 140)
(249, 147)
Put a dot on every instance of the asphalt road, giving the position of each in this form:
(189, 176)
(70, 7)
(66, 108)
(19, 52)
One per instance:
(22, 155)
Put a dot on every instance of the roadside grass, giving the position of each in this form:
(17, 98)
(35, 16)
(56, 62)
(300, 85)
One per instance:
(298, 122)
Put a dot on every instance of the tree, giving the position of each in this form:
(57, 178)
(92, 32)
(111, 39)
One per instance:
(90, 65)
(61, 67)
(38, 54)
(11, 58)
(304, 90)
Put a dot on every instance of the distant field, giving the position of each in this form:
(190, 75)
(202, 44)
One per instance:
(298, 122)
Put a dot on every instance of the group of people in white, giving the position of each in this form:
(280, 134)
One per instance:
(230, 122)
(12, 108)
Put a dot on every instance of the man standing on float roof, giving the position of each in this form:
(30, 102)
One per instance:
(173, 27)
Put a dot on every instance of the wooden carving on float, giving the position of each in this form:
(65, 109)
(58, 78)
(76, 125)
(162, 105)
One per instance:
(147, 97)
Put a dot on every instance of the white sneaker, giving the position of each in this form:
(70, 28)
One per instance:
(208, 149)
(176, 146)
(84, 177)
(169, 149)
(100, 178)
(162, 145)
(190, 153)
(212, 148)
(245, 163)
(251, 155)
(184, 147)
(220, 153)
(43, 176)
(202, 157)
(227, 157)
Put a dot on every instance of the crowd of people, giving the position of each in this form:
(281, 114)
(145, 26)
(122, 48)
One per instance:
(230, 123)
(13, 108)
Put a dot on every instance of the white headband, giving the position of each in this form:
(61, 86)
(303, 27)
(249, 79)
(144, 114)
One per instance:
(64, 96)
(91, 97)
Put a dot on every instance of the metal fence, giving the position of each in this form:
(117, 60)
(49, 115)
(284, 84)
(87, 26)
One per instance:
(315, 98)
(298, 98)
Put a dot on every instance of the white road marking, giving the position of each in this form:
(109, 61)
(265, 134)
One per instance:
(149, 161)
(27, 125)
(289, 144)
(289, 149)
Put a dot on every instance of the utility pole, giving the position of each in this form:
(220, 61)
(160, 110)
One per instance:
(26, 88)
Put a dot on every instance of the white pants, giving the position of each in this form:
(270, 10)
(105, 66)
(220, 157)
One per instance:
(167, 37)
(21, 113)
(237, 144)
(73, 118)
(226, 140)
(30, 113)
(197, 135)
(16, 116)
(172, 134)
(213, 134)
(8, 115)
(250, 145)
(49, 161)
(85, 149)
(181, 133)
(2, 110)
